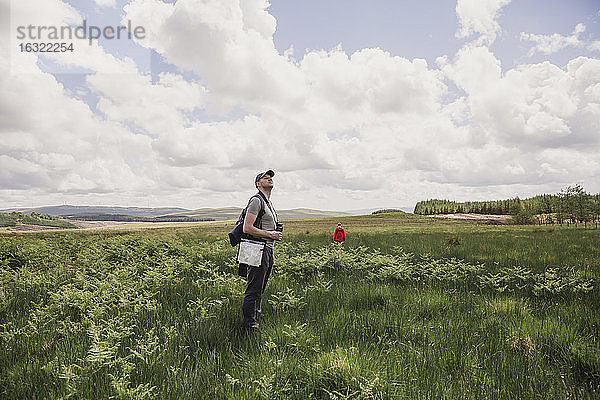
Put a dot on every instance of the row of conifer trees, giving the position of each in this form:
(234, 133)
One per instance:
(572, 205)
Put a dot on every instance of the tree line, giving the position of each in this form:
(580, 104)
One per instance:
(386, 210)
(572, 205)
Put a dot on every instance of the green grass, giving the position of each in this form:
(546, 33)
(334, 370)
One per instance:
(397, 312)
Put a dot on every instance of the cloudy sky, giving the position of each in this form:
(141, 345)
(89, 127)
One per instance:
(355, 104)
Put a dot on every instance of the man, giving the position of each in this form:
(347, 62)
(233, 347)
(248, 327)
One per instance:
(339, 235)
(258, 276)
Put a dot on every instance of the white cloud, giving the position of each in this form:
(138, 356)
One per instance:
(362, 127)
(473, 68)
(53, 142)
(48, 13)
(594, 45)
(24, 14)
(536, 105)
(479, 17)
(520, 114)
(373, 80)
(234, 55)
(158, 108)
(550, 44)
(256, 16)
(325, 92)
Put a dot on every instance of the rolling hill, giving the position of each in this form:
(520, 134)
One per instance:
(229, 213)
(216, 214)
(69, 211)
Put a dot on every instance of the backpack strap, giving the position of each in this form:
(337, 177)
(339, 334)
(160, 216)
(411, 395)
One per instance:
(269, 205)
(261, 212)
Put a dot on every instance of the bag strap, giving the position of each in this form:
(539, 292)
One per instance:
(269, 205)
(261, 212)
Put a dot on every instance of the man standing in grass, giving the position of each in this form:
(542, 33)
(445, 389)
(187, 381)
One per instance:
(267, 231)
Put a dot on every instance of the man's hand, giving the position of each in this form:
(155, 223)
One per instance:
(250, 229)
(275, 235)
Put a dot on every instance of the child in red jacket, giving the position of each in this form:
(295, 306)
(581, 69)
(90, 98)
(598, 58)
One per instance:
(339, 235)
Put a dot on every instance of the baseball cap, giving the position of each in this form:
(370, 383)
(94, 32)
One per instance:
(262, 174)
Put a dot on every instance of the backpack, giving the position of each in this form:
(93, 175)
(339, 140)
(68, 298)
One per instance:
(237, 233)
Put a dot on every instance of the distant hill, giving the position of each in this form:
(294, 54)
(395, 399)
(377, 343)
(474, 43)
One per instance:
(131, 218)
(202, 214)
(303, 213)
(230, 213)
(73, 211)
(217, 214)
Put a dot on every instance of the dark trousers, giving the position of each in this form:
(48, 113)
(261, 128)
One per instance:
(255, 287)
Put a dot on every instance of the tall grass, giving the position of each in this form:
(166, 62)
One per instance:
(536, 247)
(152, 315)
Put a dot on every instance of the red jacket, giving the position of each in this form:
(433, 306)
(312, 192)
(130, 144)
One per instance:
(339, 235)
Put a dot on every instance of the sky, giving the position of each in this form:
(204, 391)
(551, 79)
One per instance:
(353, 104)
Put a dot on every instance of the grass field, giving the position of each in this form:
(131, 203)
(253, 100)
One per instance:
(408, 308)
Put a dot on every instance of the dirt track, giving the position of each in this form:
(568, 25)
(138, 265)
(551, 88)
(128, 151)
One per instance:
(94, 224)
(29, 228)
(502, 219)
(79, 224)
